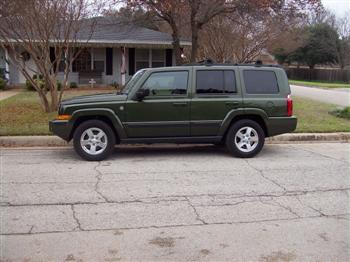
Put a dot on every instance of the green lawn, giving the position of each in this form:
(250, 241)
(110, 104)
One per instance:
(22, 115)
(319, 84)
(313, 116)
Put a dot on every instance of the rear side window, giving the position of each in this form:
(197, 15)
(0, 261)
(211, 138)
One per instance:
(215, 82)
(260, 82)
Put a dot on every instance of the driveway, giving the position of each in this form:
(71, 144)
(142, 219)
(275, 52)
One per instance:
(177, 203)
(340, 97)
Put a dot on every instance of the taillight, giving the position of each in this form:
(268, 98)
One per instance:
(289, 105)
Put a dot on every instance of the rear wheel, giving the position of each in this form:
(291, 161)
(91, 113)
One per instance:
(94, 140)
(245, 138)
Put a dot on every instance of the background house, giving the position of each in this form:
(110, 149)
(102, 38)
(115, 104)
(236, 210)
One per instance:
(114, 50)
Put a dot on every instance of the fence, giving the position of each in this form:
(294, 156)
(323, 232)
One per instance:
(330, 75)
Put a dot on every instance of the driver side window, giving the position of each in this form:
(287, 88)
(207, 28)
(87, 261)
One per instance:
(167, 83)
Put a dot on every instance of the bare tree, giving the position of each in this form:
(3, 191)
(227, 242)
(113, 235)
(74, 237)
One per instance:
(199, 13)
(242, 37)
(170, 11)
(51, 33)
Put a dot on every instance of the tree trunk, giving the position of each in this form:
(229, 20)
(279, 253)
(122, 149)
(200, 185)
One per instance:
(194, 43)
(44, 102)
(54, 97)
(176, 42)
(194, 31)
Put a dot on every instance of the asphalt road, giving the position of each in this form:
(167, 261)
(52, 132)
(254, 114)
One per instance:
(337, 96)
(291, 203)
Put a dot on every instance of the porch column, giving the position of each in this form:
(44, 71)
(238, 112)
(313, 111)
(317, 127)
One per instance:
(123, 65)
(7, 65)
(92, 59)
(150, 58)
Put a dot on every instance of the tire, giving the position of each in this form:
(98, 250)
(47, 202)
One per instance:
(245, 138)
(94, 140)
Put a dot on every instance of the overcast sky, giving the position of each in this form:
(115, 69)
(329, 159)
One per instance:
(339, 7)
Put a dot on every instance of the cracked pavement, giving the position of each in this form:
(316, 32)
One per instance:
(177, 203)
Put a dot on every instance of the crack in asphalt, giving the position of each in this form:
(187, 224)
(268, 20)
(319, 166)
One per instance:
(314, 209)
(97, 184)
(319, 154)
(157, 199)
(288, 208)
(195, 211)
(265, 177)
(31, 230)
(338, 217)
(76, 219)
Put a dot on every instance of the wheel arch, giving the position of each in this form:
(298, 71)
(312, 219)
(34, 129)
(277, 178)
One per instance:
(105, 115)
(256, 115)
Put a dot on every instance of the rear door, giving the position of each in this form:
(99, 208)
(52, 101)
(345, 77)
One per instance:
(215, 93)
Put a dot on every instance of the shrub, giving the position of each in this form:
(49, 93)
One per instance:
(2, 73)
(59, 85)
(341, 112)
(41, 82)
(73, 85)
(115, 85)
(38, 79)
(2, 84)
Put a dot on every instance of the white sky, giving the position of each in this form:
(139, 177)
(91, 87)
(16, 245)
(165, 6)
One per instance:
(339, 7)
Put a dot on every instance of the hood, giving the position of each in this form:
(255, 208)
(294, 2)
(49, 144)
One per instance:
(94, 99)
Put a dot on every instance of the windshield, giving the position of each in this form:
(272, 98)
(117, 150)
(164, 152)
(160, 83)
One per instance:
(132, 81)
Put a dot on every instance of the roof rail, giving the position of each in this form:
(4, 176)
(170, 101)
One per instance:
(210, 62)
(207, 61)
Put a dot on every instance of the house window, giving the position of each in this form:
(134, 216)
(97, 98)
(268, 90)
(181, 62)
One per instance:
(83, 62)
(158, 58)
(145, 58)
(141, 59)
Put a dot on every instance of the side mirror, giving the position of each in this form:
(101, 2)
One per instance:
(141, 94)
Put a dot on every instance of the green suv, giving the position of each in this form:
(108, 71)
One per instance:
(235, 105)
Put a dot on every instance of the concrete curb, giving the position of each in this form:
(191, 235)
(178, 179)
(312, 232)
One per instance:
(53, 141)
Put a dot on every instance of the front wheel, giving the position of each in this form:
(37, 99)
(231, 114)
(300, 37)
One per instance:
(245, 138)
(93, 140)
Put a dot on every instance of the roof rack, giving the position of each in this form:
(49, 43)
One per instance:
(210, 62)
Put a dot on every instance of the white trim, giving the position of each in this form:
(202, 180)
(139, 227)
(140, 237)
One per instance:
(7, 65)
(150, 58)
(92, 58)
(105, 41)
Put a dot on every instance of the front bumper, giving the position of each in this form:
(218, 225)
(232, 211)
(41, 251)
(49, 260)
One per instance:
(281, 125)
(61, 128)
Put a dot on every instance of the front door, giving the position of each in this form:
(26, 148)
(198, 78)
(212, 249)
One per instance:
(165, 112)
(216, 94)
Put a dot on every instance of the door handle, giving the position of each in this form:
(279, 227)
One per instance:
(232, 103)
(180, 103)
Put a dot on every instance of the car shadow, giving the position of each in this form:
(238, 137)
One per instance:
(129, 151)
(158, 150)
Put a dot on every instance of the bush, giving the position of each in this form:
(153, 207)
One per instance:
(2, 73)
(41, 82)
(115, 85)
(38, 79)
(73, 85)
(341, 112)
(2, 84)
(59, 85)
